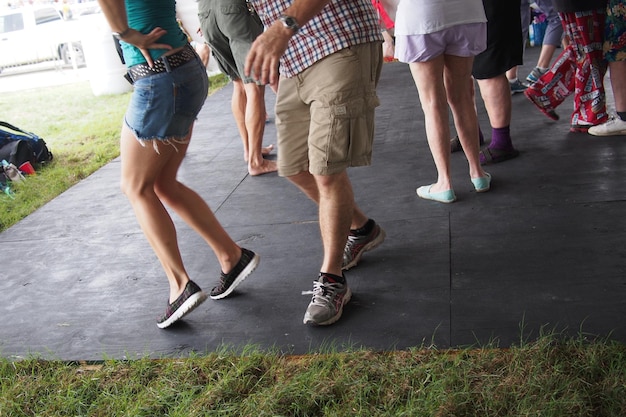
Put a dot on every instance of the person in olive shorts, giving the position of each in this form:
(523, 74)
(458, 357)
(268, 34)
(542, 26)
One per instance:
(229, 27)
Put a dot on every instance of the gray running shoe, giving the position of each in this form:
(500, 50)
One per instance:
(357, 245)
(535, 74)
(327, 303)
(517, 87)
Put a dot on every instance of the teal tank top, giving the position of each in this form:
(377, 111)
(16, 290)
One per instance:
(145, 15)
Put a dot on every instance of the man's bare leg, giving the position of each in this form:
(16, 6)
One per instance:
(255, 126)
(308, 185)
(336, 208)
(238, 107)
(248, 107)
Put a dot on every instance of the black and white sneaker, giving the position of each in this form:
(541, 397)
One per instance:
(228, 282)
(191, 298)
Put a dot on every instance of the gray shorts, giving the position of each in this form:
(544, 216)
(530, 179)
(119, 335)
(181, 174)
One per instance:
(229, 27)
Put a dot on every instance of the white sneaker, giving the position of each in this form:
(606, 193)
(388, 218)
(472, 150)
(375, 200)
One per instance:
(614, 127)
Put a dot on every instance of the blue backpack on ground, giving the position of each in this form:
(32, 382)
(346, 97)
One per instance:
(18, 146)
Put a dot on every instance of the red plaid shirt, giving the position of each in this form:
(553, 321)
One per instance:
(342, 23)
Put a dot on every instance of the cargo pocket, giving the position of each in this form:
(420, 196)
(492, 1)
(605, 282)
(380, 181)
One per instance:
(351, 130)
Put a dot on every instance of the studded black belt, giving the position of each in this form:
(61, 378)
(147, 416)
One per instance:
(163, 64)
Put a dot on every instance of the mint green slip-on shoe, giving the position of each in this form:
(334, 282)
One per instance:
(482, 184)
(442, 197)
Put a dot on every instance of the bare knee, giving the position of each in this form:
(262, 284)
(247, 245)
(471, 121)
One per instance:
(167, 190)
(306, 182)
(333, 184)
(135, 190)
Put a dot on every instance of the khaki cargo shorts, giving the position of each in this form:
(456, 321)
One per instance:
(325, 114)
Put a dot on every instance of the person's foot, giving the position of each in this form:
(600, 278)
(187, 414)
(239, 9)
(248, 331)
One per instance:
(228, 282)
(482, 184)
(535, 74)
(544, 108)
(494, 155)
(265, 168)
(191, 298)
(614, 127)
(267, 150)
(445, 196)
(327, 302)
(580, 128)
(517, 86)
(357, 245)
(455, 144)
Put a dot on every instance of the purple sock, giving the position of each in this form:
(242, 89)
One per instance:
(501, 138)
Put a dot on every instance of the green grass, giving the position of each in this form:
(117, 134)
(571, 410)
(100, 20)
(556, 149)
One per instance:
(81, 130)
(548, 377)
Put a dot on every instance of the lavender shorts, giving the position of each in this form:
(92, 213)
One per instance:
(461, 40)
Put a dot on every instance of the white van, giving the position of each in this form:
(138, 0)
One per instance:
(35, 34)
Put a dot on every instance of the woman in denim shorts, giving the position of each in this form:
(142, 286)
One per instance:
(170, 87)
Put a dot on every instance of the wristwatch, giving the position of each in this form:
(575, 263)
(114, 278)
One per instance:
(290, 23)
(120, 35)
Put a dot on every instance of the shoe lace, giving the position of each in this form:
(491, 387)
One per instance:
(323, 292)
(613, 118)
(350, 245)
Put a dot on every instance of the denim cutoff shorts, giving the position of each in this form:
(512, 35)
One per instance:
(164, 106)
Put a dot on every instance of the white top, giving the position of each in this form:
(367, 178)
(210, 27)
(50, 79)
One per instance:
(418, 17)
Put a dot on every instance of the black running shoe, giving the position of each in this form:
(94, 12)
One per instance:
(191, 298)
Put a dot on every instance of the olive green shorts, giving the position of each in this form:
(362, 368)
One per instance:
(229, 27)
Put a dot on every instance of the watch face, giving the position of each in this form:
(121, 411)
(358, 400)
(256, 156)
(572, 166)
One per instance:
(290, 22)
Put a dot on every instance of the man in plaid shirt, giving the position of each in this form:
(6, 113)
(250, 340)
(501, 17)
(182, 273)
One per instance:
(330, 57)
